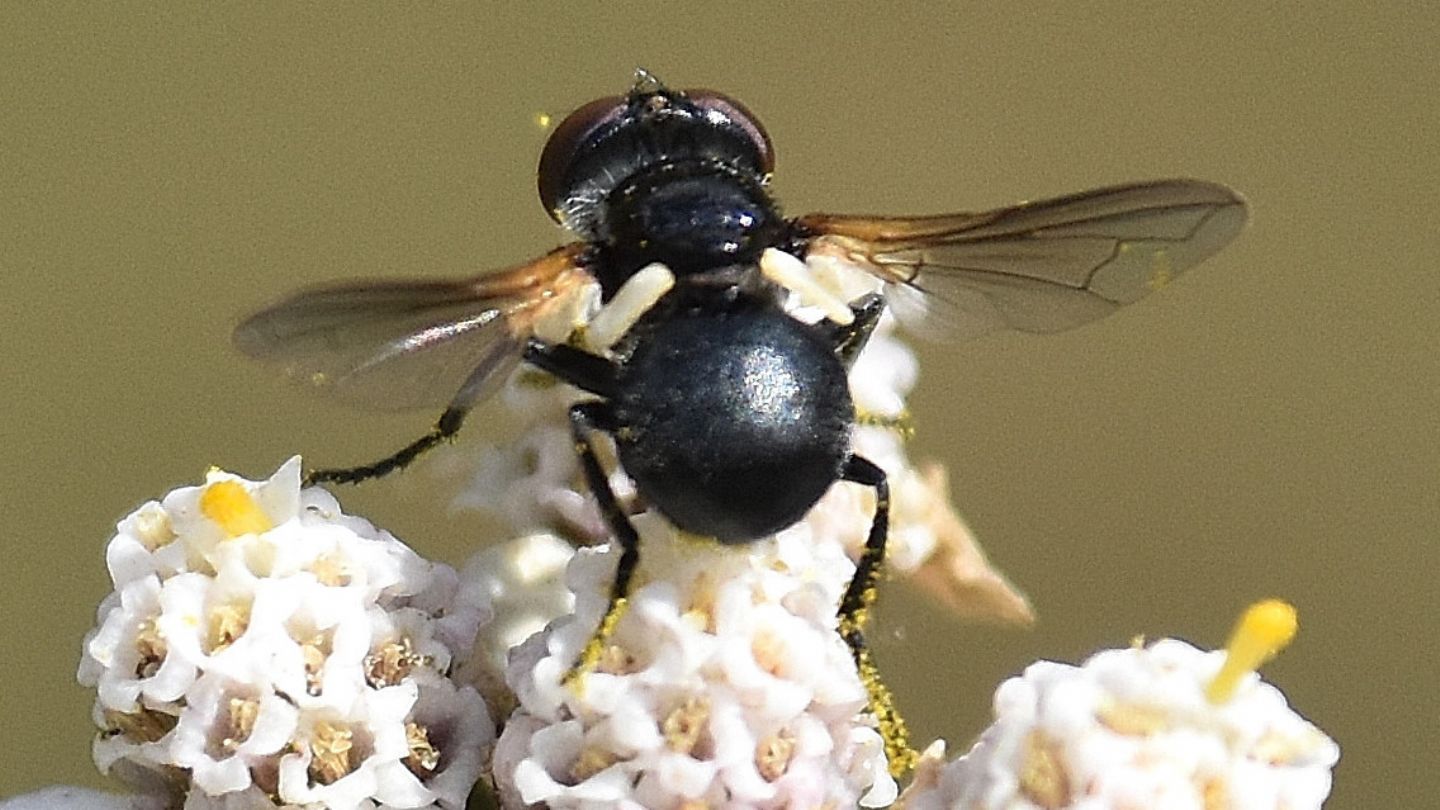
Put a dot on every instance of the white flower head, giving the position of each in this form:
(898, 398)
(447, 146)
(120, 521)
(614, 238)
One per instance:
(724, 683)
(263, 646)
(1164, 725)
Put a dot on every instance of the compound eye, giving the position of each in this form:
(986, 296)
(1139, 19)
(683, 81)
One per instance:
(723, 106)
(565, 141)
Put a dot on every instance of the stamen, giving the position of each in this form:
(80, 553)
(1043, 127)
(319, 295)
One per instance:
(792, 274)
(1263, 630)
(228, 504)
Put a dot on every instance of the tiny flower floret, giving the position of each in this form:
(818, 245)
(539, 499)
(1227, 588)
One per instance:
(262, 647)
(227, 503)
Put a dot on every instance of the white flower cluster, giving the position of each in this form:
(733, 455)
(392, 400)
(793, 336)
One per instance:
(723, 684)
(1135, 728)
(263, 648)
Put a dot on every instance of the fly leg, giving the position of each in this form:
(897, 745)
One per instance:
(598, 376)
(585, 419)
(855, 611)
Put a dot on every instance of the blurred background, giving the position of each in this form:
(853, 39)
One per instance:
(1268, 426)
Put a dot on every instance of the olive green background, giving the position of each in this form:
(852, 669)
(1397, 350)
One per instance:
(1268, 426)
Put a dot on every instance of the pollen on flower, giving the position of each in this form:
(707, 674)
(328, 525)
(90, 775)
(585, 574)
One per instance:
(152, 526)
(683, 726)
(700, 603)
(227, 623)
(228, 504)
(330, 569)
(1043, 779)
(595, 648)
(1134, 719)
(615, 659)
(145, 725)
(240, 722)
(150, 645)
(424, 757)
(332, 747)
(773, 753)
(592, 760)
(313, 653)
(392, 663)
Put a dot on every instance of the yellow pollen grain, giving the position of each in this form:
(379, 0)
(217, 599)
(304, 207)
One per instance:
(893, 731)
(1263, 630)
(229, 505)
(542, 120)
(1043, 779)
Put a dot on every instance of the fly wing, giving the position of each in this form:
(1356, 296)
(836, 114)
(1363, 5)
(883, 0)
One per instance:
(1041, 266)
(410, 344)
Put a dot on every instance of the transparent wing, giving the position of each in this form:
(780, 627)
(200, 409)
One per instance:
(1041, 266)
(409, 344)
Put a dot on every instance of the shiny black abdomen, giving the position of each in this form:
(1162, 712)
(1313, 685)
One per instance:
(733, 423)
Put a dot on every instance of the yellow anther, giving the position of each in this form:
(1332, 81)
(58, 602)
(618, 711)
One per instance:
(228, 504)
(1263, 630)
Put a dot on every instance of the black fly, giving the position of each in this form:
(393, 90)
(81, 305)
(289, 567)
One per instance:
(732, 417)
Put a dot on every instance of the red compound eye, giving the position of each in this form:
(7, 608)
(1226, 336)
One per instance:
(714, 103)
(571, 133)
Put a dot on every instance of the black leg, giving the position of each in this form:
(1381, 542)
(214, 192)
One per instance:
(585, 419)
(586, 371)
(849, 339)
(855, 611)
(581, 369)
(445, 428)
(491, 371)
